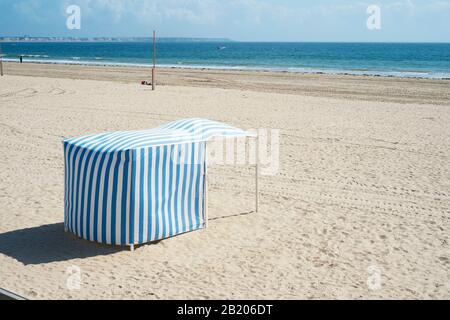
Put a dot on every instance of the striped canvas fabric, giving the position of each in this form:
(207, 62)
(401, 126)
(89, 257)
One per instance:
(126, 188)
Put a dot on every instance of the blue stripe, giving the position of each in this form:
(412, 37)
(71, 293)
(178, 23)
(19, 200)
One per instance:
(100, 161)
(114, 197)
(191, 179)
(74, 191)
(170, 181)
(177, 190)
(157, 191)
(141, 197)
(83, 193)
(149, 191)
(70, 188)
(123, 239)
(163, 191)
(105, 196)
(183, 192)
(132, 197)
(89, 202)
(79, 183)
(198, 179)
(66, 183)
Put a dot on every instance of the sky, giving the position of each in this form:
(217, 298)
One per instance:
(241, 20)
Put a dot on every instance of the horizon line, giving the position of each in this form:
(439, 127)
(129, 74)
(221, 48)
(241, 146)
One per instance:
(216, 39)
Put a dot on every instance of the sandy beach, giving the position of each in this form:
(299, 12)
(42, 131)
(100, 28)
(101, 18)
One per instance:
(363, 188)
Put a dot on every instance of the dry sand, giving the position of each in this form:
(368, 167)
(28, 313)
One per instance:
(363, 187)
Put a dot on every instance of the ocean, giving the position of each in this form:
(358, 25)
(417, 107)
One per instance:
(422, 60)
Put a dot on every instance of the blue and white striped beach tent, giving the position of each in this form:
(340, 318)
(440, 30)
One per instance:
(134, 187)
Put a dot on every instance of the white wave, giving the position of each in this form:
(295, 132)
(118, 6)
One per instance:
(372, 73)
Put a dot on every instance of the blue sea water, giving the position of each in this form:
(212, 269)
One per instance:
(424, 60)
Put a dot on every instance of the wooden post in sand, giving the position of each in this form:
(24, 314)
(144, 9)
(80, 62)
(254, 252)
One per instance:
(154, 61)
(1, 61)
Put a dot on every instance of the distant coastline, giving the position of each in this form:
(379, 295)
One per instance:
(110, 39)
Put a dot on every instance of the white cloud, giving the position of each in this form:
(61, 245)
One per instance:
(31, 9)
(117, 7)
(240, 19)
(206, 12)
(194, 11)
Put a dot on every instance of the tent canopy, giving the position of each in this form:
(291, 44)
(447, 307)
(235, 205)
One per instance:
(177, 132)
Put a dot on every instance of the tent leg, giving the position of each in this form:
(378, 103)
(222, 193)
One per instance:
(257, 175)
(132, 247)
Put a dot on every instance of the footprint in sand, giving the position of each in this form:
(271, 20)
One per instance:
(24, 93)
(57, 92)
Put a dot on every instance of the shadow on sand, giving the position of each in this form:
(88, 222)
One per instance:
(49, 243)
(232, 216)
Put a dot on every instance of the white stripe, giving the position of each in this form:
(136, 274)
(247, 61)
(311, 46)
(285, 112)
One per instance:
(93, 204)
(180, 212)
(195, 148)
(187, 194)
(152, 195)
(202, 178)
(137, 197)
(80, 190)
(75, 191)
(86, 204)
(166, 192)
(160, 192)
(100, 199)
(66, 186)
(173, 154)
(109, 199)
(127, 222)
(70, 190)
(145, 220)
(119, 199)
